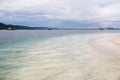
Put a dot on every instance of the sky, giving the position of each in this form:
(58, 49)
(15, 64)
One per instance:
(61, 13)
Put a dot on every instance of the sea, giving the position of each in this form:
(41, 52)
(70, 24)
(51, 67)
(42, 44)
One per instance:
(47, 54)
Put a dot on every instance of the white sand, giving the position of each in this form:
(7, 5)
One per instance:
(76, 57)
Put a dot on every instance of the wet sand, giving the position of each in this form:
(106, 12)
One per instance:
(75, 57)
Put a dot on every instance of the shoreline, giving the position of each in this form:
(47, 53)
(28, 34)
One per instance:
(117, 40)
(71, 57)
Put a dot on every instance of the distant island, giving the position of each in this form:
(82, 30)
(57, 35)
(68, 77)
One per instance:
(20, 27)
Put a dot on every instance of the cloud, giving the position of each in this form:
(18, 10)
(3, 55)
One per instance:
(55, 12)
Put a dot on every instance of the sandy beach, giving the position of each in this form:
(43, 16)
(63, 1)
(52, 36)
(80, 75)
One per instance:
(73, 57)
(59, 40)
(68, 57)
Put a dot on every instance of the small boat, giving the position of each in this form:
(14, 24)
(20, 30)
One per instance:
(9, 28)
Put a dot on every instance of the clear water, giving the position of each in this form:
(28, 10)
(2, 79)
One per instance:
(42, 55)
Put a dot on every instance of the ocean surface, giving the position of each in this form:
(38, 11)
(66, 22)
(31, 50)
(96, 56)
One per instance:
(49, 55)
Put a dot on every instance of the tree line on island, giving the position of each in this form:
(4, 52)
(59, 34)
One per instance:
(20, 27)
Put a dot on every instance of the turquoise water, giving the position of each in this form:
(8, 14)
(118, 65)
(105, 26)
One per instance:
(14, 48)
(27, 55)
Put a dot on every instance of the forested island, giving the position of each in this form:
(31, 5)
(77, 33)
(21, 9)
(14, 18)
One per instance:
(20, 27)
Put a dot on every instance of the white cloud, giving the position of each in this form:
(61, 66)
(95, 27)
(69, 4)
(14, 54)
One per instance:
(62, 9)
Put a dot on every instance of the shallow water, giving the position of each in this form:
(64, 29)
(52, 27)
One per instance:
(54, 55)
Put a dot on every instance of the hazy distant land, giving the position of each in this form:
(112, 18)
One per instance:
(21, 27)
